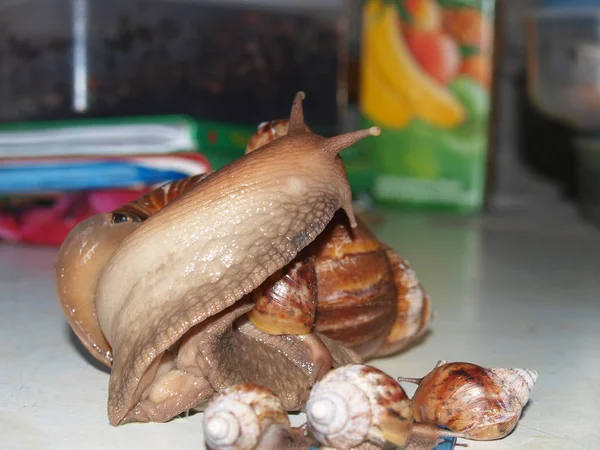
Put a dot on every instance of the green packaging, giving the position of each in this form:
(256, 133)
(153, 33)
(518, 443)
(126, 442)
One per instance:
(426, 73)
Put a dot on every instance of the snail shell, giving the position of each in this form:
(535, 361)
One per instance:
(236, 419)
(355, 404)
(414, 311)
(357, 296)
(477, 402)
(286, 303)
(145, 206)
(269, 131)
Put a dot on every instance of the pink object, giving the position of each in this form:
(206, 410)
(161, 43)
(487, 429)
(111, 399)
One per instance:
(49, 225)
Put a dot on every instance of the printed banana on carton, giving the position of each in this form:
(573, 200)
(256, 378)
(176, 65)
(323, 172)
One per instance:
(388, 65)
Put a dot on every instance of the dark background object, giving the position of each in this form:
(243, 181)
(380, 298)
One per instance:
(545, 145)
(233, 63)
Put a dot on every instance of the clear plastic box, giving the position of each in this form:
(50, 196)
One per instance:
(563, 52)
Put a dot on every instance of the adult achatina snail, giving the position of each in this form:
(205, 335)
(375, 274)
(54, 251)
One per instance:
(477, 402)
(174, 358)
(247, 417)
(367, 296)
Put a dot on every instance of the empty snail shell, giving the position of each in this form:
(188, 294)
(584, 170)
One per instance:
(477, 402)
(355, 404)
(237, 418)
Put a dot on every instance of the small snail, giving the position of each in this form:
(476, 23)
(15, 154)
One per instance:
(248, 417)
(356, 404)
(478, 403)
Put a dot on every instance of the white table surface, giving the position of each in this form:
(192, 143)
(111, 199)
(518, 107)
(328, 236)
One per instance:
(506, 293)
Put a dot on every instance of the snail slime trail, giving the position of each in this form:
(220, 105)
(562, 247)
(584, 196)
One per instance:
(235, 228)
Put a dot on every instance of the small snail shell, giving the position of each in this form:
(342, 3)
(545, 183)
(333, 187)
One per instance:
(286, 303)
(236, 418)
(354, 404)
(477, 402)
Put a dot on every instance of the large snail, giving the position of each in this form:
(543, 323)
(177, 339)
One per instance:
(477, 402)
(159, 290)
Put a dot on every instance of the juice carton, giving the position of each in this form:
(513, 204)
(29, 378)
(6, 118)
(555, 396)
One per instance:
(426, 75)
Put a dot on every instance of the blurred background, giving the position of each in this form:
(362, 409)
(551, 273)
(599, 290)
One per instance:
(488, 107)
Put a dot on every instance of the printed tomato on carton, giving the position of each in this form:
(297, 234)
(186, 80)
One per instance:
(434, 50)
(436, 53)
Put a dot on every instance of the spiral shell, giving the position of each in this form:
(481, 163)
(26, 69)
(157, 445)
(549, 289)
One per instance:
(286, 303)
(269, 131)
(143, 207)
(478, 403)
(357, 296)
(354, 404)
(414, 307)
(235, 419)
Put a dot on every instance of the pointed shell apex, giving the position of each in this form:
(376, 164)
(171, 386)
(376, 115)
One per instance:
(518, 381)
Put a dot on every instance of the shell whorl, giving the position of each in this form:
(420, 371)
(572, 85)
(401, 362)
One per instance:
(145, 206)
(519, 382)
(478, 402)
(354, 404)
(286, 303)
(235, 419)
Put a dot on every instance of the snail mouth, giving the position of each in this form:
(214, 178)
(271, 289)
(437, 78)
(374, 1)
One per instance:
(226, 350)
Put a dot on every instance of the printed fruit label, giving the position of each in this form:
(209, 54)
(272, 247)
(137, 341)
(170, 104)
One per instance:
(426, 73)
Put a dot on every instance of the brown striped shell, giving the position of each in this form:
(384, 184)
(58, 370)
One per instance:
(357, 295)
(414, 307)
(143, 207)
(287, 302)
(477, 402)
(269, 131)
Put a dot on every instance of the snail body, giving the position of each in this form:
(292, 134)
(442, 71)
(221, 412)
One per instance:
(477, 402)
(86, 251)
(210, 247)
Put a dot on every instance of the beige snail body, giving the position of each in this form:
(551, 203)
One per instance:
(206, 250)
